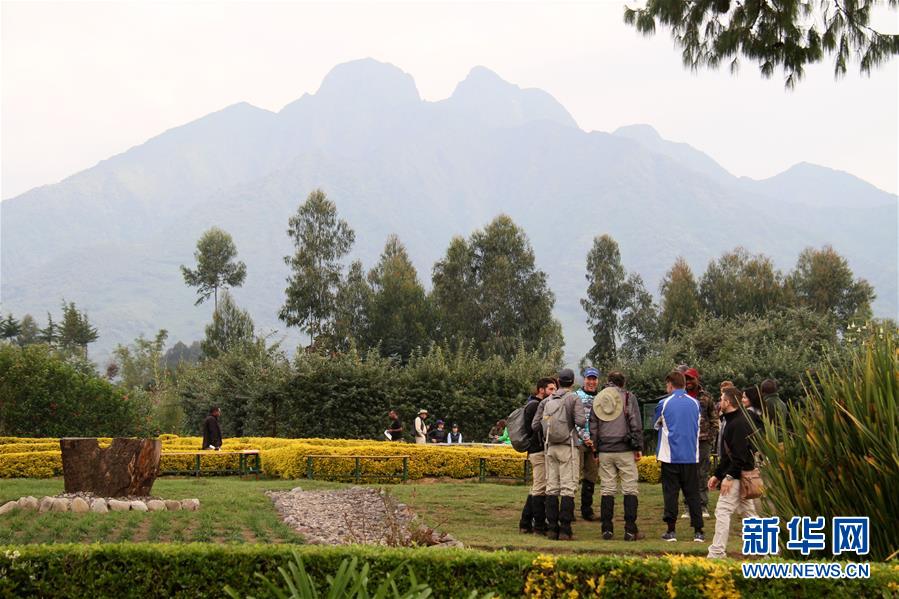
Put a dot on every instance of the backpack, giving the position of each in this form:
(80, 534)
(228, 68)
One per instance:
(555, 421)
(519, 430)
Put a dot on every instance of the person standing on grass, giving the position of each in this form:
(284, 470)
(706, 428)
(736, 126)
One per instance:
(212, 432)
(708, 435)
(618, 437)
(421, 427)
(677, 420)
(562, 421)
(587, 455)
(736, 458)
(533, 516)
(395, 432)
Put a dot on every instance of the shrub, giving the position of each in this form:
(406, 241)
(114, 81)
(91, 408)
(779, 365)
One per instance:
(840, 458)
(649, 469)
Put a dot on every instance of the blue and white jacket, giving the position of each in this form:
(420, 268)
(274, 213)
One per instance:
(677, 419)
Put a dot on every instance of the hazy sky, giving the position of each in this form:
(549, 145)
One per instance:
(83, 81)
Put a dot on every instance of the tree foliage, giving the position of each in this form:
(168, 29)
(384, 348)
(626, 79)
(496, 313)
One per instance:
(352, 306)
(786, 34)
(488, 290)
(216, 266)
(823, 282)
(231, 326)
(741, 283)
(680, 299)
(320, 240)
(75, 331)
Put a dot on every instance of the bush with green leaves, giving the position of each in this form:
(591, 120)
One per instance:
(841, 456)
(43, 395)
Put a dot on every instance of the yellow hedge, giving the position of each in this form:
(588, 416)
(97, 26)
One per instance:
(286, 458)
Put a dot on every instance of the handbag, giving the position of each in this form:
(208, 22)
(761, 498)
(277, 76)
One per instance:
(751, 485)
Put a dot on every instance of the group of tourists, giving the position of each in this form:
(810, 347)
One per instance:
(425, 434)
(580, 435)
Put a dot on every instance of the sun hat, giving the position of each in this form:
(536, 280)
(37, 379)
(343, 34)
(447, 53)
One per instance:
(608, 404)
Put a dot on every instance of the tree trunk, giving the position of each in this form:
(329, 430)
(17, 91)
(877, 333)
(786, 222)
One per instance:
(127, 467)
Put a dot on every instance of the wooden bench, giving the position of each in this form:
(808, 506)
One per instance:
(244, 466)
(482, 468)
(357, 465)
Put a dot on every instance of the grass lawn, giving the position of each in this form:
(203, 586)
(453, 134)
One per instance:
(483, 516)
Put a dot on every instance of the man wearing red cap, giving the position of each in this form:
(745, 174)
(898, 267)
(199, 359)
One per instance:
(708, 434)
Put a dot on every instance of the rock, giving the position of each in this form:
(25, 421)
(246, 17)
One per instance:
(98, 506)
(172, 506)
(80, 506)
(297, 490)
(28, 503)
(9, 506)
(45, 504)
(60, 504)
(155, 505)
(191, 505)
(138, 506)
(127, 467)
(117, 505)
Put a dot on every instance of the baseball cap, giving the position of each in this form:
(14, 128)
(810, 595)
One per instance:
(692, 373)
(591, 372)
(566, 375)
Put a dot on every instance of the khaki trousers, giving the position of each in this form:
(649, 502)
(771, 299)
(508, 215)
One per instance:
(728, 505)
(588, 466)
(538, 469)
(562, 470)
(420, 441)
(615, 467)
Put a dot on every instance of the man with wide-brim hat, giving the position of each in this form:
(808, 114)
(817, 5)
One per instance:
(421, 427)
(618, 437)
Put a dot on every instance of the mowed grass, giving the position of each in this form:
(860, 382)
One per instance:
(481, 515)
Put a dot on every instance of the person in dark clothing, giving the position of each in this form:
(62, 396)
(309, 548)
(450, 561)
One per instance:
(438, 435)
(775, 408)
(212, 432)
(752, 403)
(736, 458)
(395, 432)
(533, 516)
(454, 436)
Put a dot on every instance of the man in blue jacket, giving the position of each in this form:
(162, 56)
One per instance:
(677, 420)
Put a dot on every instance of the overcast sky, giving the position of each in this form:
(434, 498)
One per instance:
(84, 81)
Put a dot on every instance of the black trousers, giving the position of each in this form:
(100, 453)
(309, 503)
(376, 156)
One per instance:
(681, 477)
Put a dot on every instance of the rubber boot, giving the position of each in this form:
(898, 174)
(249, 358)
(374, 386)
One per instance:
(606, 514)
(631, 533)
(587, 500)
(538, 505)
(524, 525)
(566, 514)
(552, 517)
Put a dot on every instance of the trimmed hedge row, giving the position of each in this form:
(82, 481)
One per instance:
(202, 570)
(286, 458)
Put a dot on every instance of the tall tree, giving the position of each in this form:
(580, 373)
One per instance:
(29, 333)
(141, 365)
(788, 33)
(823, 281)
(320, 240)
(487, 290)
(741, 283)
(50, 333)
(76, 331)
(216, 266)
(680, 299)
(352, 306)
(607, 297)
(231, 327)
(9, 328)
(639, 324)
(399, 317)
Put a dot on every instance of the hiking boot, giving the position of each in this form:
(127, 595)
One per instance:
(705, 513)
(634, 536)
(669, 536)
(631, 533)
(606, 514)
(698, 537)
(526, 523)
(538, 504)
(607, 535)
(552, 516)
(566, 514)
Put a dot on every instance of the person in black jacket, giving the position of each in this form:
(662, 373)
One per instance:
(212, 432)
(736, 457)
(533, 516)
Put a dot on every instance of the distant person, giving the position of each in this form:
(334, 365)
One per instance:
(775, 407)
(212, 432)
(618, 437)
(752, 403)
(736, 458)
(497, 431)
(454, 437)
(533, 515)
(395, 432)
(708, 435)
(438, 435)
(561, 418)
(677, 420)
(421, 427)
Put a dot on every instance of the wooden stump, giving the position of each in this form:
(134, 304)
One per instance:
(127, 467)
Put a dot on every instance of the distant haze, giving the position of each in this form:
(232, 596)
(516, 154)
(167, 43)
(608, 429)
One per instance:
(111, 238)
(83, 81)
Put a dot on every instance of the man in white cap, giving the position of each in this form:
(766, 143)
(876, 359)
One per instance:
(618, 436)
(421, 428)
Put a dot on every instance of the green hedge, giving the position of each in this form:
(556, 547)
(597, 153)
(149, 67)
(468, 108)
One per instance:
(202, 570)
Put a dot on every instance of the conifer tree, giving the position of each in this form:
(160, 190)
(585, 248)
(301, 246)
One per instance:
(680, 299)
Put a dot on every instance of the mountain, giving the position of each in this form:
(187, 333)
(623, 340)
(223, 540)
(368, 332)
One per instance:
(111, 238)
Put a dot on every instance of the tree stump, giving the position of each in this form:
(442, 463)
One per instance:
(127, 467)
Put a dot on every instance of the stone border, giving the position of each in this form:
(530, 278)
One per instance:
(97, 505)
